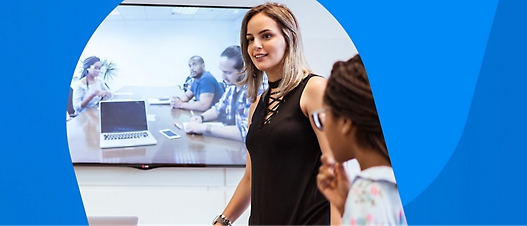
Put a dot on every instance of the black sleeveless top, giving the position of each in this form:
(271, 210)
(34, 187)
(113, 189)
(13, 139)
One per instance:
(285, 158)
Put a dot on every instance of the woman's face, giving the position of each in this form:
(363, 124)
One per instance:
(266, 44)
(337, 139)
(95, 69)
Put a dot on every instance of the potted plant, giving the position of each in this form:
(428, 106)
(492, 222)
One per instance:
(108, 70)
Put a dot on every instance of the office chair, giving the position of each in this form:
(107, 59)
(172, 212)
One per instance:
(70, 109)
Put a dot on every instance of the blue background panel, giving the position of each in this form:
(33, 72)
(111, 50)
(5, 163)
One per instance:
(423, 59)
(484, 180)
(447, 78)
(40, 43)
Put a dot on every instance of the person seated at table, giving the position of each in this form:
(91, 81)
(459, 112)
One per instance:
(205, 88)
(89, 90)
(233, 107)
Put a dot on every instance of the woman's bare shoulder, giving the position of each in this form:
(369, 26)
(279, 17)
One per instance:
(315, 86)
(312, 96)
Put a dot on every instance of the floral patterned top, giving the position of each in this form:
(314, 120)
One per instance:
(374, 199)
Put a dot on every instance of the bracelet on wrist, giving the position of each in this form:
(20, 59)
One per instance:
(223, 220)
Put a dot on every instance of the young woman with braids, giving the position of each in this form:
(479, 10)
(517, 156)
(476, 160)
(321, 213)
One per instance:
(284, 148)
(89, 90)
(351, 124)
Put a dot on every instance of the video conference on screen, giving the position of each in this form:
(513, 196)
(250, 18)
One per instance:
(150, 46)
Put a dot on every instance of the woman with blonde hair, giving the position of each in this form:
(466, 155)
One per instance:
(284, 148)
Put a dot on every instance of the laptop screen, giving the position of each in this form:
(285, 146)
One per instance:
(123, 116)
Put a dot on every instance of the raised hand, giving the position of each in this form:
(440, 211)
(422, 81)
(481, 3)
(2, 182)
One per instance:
(333, 182)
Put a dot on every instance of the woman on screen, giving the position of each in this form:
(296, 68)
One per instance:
(284, 148)
(89, 90)
(351, 124)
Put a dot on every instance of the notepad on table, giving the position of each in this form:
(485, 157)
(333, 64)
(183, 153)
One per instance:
(159, 101)
(185, 124)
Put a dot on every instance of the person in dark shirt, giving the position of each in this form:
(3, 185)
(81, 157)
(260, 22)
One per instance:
(284, 146)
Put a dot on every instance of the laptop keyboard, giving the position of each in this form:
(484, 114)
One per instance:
(123, 136)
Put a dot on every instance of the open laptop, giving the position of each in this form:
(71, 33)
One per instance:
(124, 124)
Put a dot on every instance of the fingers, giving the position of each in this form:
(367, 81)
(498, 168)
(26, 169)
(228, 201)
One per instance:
(326, 176)
(324, 181)
(195, 119)
(326, 173)
(340, 172)
(175, 102)
(195, 128)
(189, 128)
(327, 160)
(96, 93)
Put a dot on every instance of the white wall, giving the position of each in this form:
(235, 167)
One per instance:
(156, 52)
(159, 196)
(196, 195)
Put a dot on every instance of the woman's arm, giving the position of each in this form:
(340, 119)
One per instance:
(80, 98)
(311, 100)
(76, 98)
(241, 199)
(106, 94)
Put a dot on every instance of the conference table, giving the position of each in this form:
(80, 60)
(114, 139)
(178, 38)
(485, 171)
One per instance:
(190, 150)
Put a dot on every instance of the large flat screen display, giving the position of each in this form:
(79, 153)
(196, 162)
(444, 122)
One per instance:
(144, 53)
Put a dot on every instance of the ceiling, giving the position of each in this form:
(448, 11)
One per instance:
(134, 12)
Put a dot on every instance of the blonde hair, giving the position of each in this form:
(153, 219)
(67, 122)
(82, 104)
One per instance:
(294, 65)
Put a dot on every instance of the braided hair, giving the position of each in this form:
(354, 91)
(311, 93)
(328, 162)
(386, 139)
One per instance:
(348, 94)
(87, 63)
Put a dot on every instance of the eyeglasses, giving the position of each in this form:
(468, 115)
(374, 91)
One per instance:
(319, 117)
